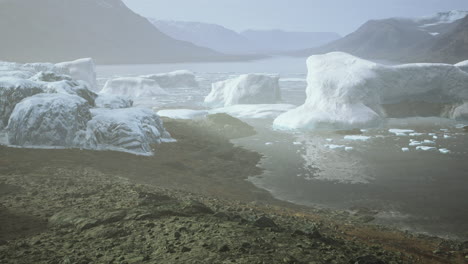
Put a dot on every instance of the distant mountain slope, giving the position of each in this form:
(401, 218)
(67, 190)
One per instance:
(207, 35)
(108, 31)
(451, 47)
(402, 39)
(248, 42)
(274, 41)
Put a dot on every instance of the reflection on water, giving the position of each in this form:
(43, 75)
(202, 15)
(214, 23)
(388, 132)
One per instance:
(425, 191)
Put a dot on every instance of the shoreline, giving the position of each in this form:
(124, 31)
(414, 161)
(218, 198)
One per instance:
(203, 166)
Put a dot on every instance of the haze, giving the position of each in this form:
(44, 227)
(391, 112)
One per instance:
(299, 15)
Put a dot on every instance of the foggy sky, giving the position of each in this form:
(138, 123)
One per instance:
(341, 16)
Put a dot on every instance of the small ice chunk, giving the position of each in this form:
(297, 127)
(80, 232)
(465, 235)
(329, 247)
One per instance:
(447, 136)
(297, 143)
(356, 137)
(432, 134)
(416, 134)
(331, 146)
(425, 148)
(428, 142)
(405, 149)
(415, 143)
(269, 143)
(349, 148)
(329, 139)
(444, 151)
(400, 132)
(435, 137)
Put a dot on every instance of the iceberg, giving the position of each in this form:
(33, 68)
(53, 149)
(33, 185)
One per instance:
(113, 101)
(245, 89)
(81, 70)
(53, 83)
(175, 79)
(132, 130)
(132, 87)
(460, 112)
(48, 120)
(463, 65)
(347, 92)
(12, 91)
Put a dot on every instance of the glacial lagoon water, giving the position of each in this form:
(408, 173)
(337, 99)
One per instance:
(423, 190)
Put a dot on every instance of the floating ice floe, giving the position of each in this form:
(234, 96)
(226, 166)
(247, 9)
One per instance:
(428, 142)
(357, 137)
(332, 146)
(175, 79)
(415, 143)
(347, 92)
(245, 89)
(349, 148)
(425, 148)
(254, 111)
(447, 136)
(405, 149)
(444, 151)
(329, 139)
(132, 87)
(400, 132)
(416, 134)
(297, 143)
(183, 113)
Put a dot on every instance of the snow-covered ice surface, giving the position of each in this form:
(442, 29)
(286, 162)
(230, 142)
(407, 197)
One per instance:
(12, 91)
(133, 130)
(44, 105)
(245, 89)
(48, 120)
(82, 70)
(463, 65)
(347, 92)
